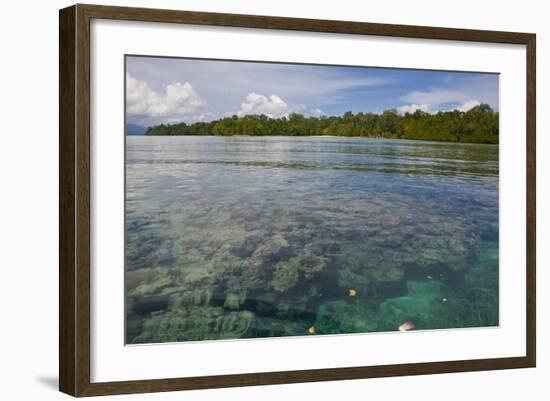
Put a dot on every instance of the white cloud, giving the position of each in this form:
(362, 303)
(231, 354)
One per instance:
(435, 96)
(439, 99)
(272, 106)
(297, 84)
(432, 109)
(411, 108)
(178, 101)
(315, 112)
(470, 104)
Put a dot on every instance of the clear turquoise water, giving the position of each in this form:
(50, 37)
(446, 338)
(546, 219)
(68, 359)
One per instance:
(244, 237)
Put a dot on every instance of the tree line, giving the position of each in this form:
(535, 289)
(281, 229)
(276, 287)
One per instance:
(477, 125)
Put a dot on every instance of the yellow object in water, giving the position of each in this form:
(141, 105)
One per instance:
(312, 330)
(352, 292)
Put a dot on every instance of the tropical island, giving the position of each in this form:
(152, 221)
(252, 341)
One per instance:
(477, 125)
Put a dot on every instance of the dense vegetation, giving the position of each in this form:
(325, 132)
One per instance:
(478, 125)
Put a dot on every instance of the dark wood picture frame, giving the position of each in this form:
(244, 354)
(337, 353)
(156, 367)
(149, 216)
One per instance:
(74, 199)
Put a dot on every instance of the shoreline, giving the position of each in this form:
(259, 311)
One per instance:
(316, 136)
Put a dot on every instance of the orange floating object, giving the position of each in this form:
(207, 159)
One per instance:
(312, 330)
(352, 292)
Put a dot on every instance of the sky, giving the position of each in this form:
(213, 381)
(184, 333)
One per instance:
(171, 90)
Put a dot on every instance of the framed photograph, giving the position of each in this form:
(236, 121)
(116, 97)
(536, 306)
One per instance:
(250, 200)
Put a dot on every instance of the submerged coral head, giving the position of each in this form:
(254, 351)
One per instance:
(408, 325)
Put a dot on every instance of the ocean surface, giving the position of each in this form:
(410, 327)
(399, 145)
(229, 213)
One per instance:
(247, 237)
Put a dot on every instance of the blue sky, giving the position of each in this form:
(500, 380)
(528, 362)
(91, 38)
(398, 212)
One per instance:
(169, 90)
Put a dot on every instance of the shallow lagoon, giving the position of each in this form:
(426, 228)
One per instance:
(244, 237)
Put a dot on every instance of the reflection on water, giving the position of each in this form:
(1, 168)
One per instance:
(244, 237)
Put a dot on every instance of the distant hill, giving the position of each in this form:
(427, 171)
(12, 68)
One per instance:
(134, 129)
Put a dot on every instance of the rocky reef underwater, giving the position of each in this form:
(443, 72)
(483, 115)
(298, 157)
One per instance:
(233, 269)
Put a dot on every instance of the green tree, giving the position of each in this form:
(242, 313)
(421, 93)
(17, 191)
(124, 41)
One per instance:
(479, 124)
